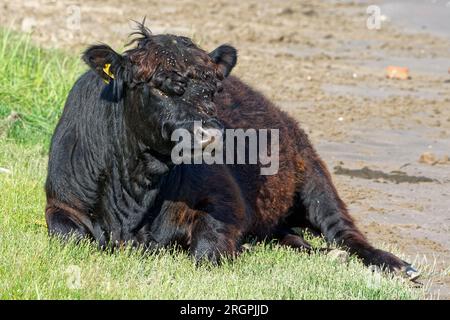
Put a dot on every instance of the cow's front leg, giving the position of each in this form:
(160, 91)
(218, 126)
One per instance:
(207, 232)
(212, 239)
(201, 208)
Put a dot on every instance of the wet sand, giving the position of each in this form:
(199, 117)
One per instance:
(320, 63)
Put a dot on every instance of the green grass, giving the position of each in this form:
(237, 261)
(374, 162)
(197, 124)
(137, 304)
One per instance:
(34, 83)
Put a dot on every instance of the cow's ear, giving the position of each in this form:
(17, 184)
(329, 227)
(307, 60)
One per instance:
(226, 57)
(103, 60)
(109, 65)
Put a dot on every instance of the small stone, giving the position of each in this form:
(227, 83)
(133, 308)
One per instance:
(339, 255)
(5, 171)
(428, 158)
(28, 24)
(13, 116)
(444, 160)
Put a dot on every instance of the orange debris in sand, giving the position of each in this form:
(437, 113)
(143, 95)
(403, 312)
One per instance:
(401, 73)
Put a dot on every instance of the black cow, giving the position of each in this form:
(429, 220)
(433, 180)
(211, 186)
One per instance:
(111, 178)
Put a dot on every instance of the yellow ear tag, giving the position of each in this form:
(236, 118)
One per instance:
(108, 72)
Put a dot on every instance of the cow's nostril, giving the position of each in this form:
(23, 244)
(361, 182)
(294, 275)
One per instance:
(204, 137)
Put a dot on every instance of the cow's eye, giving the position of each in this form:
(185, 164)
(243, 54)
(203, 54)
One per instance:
(186, 41)
(170, 83)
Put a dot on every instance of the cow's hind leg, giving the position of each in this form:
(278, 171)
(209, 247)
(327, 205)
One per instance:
(66, 225)
(326, 212)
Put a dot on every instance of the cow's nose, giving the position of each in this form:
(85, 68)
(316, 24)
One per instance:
(204, 137)
(208, 132)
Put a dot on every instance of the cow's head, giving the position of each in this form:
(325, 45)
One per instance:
(166, 83)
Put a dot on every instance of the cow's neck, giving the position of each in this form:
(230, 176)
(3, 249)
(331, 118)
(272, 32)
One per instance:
(134, 175)
(140, 166)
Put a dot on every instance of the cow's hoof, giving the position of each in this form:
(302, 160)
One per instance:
(394, 265)
(410, 273)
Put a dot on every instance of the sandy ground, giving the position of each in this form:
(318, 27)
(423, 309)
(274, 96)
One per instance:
(320, 62)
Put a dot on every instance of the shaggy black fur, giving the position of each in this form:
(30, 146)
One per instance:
(110, 177)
